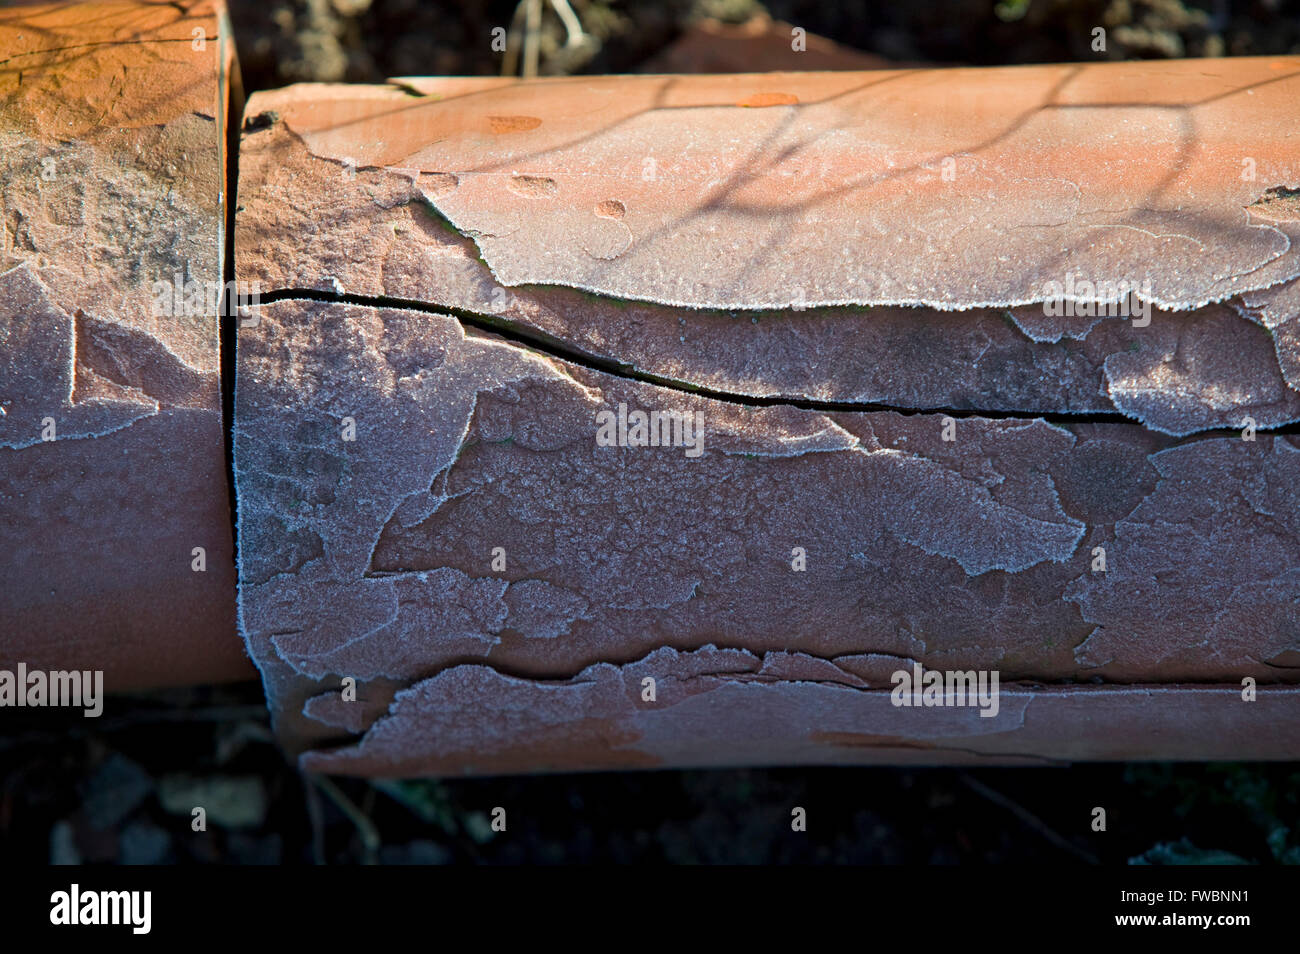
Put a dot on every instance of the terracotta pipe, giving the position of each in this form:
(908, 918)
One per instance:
(955, 371)
(116, 550)
(984, 371)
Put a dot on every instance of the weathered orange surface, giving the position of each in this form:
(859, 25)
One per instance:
(112, 167)
(952, 188)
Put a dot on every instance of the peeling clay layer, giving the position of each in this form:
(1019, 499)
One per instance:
(111, 436)
(473, 721)
(876, 279)
(373, 559)
(837, 181)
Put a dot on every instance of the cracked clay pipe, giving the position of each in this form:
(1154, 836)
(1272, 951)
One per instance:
(906, 416)
(603, 422)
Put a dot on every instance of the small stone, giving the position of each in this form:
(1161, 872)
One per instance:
(144, 843)
(229, 801)
(114, 791)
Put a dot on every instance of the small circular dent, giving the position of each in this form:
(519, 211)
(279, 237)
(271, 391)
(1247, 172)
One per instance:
(534, 187)
(611, 209)
(501, 125)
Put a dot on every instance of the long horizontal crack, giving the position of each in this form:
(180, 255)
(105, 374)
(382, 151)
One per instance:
(557, 348)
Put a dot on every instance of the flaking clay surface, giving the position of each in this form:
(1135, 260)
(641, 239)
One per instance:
(886, 238)
(111, 160)
(1105, 170)
(473, 720)
(112, 469)
(427, 510)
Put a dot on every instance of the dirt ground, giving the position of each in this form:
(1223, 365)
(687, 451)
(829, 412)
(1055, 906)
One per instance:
(367, 41)
(121, 791)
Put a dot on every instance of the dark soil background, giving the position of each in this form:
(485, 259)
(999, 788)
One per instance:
(120, 789)
(366, 41)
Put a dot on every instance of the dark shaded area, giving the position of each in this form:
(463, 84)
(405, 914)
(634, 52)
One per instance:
(367, 41)
(121, 789)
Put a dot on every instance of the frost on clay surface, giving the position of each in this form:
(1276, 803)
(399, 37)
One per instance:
(112, 471)
(1246, 601)
(712, 708)
(375, 231)
(42, 374)
(947, 188)
(821, 250)
(373, 558)
(471, 720)
(110, 160)
(1278, 309)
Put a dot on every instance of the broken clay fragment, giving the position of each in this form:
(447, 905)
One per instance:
(472, 533)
